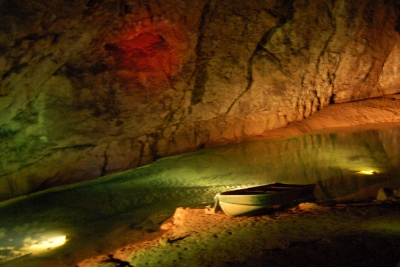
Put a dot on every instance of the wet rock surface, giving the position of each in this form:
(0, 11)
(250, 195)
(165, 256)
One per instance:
(90, 88)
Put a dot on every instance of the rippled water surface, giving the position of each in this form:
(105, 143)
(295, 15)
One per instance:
(64, 225)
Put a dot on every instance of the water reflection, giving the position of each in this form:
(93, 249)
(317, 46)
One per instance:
(102, 215)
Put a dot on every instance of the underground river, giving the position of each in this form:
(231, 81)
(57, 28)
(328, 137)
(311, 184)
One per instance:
(64, 225)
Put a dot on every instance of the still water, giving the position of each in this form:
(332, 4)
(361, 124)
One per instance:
(62, 226)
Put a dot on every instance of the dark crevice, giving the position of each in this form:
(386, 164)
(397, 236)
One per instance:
(331, 76)
(288, 11)
(71, 72)
(284, 11)
(48, 183)
(367, 75)
(397, 26)
(199, 86)
(30, 37)
(118, 262)
(260, 47)
(56, 38)
(114, 50)
(267, 36)
(332, 99)
(396, 6)
(327, 42)
(153, 146)
(79, 147)
(77, 73)
(105, 164)
(33, 38)
(141, 152)
(369, 13)
(16, 69)
(200, 73)
(123, 8)
(149, 11)
(92, 6)
(272, 13)
(92, 3)
(270, 56)
(250, 79)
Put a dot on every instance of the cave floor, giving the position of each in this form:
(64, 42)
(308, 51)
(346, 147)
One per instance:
(343, 234)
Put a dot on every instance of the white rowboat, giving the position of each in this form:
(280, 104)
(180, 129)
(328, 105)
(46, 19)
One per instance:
(261, 198)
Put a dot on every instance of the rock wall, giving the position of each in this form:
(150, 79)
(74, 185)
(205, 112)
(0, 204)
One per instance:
(92, 87)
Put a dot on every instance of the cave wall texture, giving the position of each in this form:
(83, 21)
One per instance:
(93, 87)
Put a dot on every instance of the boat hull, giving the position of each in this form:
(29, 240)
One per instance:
(263, 198)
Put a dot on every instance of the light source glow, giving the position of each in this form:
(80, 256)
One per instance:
(47, 243)
(19, 242)
(367, 172)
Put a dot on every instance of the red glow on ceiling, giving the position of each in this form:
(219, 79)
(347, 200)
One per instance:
(142, 41)
(151, 56)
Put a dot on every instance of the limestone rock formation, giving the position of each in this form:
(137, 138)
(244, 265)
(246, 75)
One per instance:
(92, 87)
